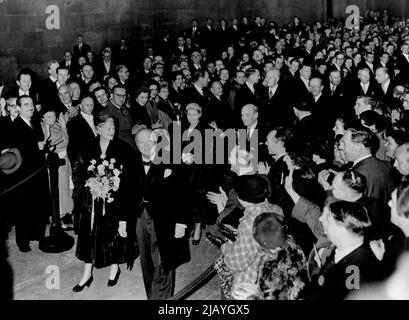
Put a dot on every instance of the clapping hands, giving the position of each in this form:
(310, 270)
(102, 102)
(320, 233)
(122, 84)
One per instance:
(263, 168)
(219, 199)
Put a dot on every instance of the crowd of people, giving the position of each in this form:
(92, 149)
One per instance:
(317, 188)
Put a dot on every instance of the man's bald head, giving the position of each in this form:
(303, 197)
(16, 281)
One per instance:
(402, 159)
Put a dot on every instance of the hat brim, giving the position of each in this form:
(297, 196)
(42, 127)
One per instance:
(18, 162)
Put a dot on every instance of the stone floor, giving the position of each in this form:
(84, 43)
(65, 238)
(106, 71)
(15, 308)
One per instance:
(32, 275)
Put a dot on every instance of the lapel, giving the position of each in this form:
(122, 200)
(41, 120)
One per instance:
(86, 125)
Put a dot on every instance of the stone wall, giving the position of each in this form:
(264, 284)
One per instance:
(26, 41)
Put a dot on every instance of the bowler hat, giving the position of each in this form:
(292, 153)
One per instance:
(269, 230)
(10, 161)
(251, 188)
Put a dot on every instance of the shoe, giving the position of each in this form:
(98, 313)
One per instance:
(215, 240)
(79, 288)
(112, 283)
(25, 249)
(196, 242)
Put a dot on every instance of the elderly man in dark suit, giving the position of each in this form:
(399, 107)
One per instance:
(117, 108)
(161, 222)
(255, 130)
(359, 145)
(81, 133)
(34, 207)
(81, 129)
(365, 86)
(249, 93)
(277, 110)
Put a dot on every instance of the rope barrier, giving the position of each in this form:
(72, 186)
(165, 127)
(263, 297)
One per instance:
(196, 284)
(22, 181)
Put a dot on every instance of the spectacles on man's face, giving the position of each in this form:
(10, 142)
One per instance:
(120, 95)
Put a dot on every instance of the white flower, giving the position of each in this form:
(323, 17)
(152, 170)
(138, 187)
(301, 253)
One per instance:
(116, 172)
(111, 166)
(103, 156)
(105, 163)
(91, 167)
(112, 160)
(101, 170)
(93, 161)
(109, 200)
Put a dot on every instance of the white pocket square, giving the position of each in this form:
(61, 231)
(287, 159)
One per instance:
(167, 173)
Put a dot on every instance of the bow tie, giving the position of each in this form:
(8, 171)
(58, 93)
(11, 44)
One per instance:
(147, 163)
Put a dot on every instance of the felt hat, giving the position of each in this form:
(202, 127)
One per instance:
(10, 161)
(251, 188)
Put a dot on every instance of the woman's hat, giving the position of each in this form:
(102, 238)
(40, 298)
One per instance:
(194, 106)
(10, 161)
(251, 188)
(269, 230)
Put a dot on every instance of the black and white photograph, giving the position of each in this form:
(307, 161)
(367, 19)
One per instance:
(215, 152)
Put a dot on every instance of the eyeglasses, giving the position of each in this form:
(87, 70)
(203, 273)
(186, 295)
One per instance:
(120, 95)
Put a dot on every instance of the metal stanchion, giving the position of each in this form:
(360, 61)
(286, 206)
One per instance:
(58, 240)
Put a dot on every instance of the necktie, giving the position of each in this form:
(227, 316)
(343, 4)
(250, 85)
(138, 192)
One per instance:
(147, 163)
(248, 134)
(124, 112)
(333, 90)
(270, 93)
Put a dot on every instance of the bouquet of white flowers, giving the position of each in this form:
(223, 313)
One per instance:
(103, 182)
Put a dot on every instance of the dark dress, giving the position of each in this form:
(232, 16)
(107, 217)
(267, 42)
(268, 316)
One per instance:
(103, 245)
(201, 178)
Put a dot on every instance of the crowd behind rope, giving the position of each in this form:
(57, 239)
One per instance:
(330, 109)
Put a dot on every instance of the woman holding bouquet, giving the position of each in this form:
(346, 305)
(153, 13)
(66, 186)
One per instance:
(99, 176)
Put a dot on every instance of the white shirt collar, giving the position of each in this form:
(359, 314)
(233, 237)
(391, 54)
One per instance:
(317, 96)
(198, 88)
(340, 254)
(361, 159)
(28, 121)
(385, 85)
(306, 83)
(251, 86)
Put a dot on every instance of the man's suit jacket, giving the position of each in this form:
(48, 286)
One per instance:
(373, 90)
(80, 136)
(335, 276)
(303, 93)
(101, 71)
(341, 100)
(123, 122)
(221, 113)
(77, 52)
(194, 35)
(277, 110)
(72, 68)
(163, 200)
(245, 96)
(379, 178)
(35, 202)
(403, 64)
